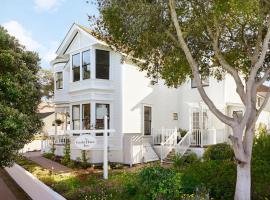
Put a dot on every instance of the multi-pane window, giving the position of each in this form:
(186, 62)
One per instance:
(76, 117)
(147, 120)
(101, 111)
(102, 64)
(59, 80)
(76, 67)
(196, 120)
(86, 116)
(205, 82)
(86, 64)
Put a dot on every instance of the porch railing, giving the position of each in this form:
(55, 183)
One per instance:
(161, 135)
(202, 138)
(184, 144)
(168, 144)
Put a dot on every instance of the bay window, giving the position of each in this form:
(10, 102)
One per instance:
(76, 67)
(102, 64)
(86, 64)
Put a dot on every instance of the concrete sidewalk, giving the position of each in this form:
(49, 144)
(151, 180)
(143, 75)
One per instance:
(9, 190)
(46, 163)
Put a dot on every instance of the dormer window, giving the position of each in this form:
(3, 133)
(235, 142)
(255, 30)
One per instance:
(76, 67)
(59, 80)
(86, 64)
(102, 64)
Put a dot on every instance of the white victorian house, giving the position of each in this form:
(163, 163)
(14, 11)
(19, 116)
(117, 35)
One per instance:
(92, 80)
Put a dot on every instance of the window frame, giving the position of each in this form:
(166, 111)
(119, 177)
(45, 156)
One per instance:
(72, 67)
(149, 121)
(73, 120)
(82, 64)
(57, 80)
(83, 116)
(96, 64)
(109, 114)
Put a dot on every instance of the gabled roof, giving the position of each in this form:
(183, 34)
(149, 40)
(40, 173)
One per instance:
(71, 35)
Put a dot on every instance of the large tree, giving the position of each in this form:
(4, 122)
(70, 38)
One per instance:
(180, 39)
(47, 83)
(19, 97)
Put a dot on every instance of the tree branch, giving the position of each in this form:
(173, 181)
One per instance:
(261, 59)
(194, 67)
(264, 78)
(239, 85)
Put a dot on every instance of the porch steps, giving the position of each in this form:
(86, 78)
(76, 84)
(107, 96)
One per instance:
(149, 153)
(169, 158)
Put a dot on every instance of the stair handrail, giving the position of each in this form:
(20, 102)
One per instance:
(184, 144)
(171, 141)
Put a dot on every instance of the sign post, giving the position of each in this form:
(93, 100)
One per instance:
(105, 154)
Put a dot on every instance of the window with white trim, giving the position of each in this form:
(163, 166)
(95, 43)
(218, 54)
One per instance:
(102, 64)
(76, 67)
(76, 117)
(59, 80)
(86, 113)
(86, 64)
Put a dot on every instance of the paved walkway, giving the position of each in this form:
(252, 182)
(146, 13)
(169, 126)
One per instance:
(9, 190)
(46, 163)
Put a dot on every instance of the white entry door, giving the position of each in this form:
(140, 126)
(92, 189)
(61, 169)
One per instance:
(199, 125)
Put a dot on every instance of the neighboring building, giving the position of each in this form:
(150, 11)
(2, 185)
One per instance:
(91, 81)
(47, 116)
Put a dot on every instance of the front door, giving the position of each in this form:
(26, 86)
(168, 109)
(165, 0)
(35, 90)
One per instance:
(199, 124)
(147, 120)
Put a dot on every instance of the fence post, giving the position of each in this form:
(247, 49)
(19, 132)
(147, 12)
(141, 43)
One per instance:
(105, 154)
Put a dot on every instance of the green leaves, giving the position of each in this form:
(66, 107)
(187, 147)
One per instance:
(19, 97)
(144, 30)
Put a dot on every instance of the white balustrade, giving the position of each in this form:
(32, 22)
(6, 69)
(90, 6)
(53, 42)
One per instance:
(184, 144)
(168, 144)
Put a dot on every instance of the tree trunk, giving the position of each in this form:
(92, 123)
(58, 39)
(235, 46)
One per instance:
(243, 182)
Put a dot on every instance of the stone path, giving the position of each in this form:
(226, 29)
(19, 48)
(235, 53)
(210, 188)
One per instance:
(9, 190)
(46, 163)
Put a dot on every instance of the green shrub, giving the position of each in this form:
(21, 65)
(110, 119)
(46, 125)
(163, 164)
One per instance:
(49, 155)
(71, 164)
(160, 183)
(182, 132)
(217, 176)
(178, 161)
(260, 168)
(220, 151)
(191, 158)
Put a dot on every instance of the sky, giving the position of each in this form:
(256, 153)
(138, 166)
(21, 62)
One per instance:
(41, 25)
